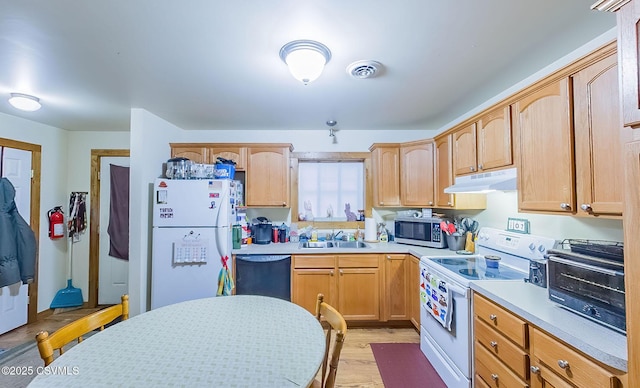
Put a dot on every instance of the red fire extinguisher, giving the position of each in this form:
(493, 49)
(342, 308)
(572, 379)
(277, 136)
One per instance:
(56, 222)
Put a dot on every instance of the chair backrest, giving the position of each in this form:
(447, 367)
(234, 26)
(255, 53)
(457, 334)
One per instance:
(336, 322)
(76, 329)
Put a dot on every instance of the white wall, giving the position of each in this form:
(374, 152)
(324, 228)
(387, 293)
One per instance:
(65, 168)
(502, 205)
(80, 144)
(52, 270)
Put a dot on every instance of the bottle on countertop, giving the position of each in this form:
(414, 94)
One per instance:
(384, 237)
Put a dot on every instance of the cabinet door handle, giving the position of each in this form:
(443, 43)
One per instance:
(341, 272)
(493, 344)
(479, 167)
(586, 207)
(493, 317)
(430, 203)
(565, 206)
(563, 364)
(449, 204)
(284, 204)
(331, 273)
(494, 377)
(381, 203)
(535, 369)
(471, 168)
(388, 257)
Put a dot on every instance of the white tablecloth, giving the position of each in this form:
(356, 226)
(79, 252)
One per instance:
(234, 341)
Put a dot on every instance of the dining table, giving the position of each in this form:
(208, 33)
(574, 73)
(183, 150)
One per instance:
(226, 341)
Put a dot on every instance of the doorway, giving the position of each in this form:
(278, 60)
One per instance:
(98, 239)
(31, 183)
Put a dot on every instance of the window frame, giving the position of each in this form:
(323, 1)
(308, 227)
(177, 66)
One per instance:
(364, 157)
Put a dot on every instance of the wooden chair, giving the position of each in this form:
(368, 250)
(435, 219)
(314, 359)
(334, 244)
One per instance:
(337, 323)
(76, 329)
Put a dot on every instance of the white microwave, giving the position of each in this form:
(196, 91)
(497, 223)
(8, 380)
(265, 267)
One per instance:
(423, 231)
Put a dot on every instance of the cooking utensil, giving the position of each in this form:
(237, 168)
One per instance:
(444, 227)
(452, 228)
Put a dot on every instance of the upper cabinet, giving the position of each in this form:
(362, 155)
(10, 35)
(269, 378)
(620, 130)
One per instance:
(444, 176)
(628, 48)
(483, 145)
(417, 173)
(198, 153)
(493, 139)
(232, 152)
(598, 139)
(385, 159)
(543, 127)
(268, 180)
(464, 155)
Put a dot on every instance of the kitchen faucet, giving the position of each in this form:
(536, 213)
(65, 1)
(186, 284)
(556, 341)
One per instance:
(334, 236)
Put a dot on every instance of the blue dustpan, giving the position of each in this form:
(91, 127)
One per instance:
(67, 297)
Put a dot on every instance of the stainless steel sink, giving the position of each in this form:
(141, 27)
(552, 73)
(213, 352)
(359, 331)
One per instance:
(316, 244)
(332, 244)
(350, 244)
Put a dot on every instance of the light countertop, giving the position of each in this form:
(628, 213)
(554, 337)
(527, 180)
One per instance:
(376, 248)
(532, 304)
(526, 300)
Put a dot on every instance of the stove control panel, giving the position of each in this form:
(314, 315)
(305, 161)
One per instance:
(527, 246)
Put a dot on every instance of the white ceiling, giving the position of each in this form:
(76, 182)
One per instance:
(206, 64)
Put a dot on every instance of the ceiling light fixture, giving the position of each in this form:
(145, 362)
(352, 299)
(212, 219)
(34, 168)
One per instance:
(305, 58)
(24, 102)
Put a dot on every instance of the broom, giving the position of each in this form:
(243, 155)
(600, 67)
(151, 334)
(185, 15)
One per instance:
(70, 296)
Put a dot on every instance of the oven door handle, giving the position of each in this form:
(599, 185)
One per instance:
(458, 290)
(585, 266)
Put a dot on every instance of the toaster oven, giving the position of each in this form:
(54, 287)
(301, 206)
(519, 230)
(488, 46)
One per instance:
(590, 286)
(423, 231)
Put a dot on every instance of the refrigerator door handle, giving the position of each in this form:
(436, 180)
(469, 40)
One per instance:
(222, 230)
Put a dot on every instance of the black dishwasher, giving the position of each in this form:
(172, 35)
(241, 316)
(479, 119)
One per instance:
(265, 275)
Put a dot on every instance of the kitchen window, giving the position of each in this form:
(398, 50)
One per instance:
(324, 183)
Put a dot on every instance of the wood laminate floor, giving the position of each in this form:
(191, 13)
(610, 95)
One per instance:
(357, 366)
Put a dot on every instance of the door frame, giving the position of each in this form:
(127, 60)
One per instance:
(34, 221)
(94, 220)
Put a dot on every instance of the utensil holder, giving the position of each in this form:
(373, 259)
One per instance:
(456, 243)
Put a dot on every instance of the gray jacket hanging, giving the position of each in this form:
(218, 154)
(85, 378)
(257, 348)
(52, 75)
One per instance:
(17, 240)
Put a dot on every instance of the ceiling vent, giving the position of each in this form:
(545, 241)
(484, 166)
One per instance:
(364, 69)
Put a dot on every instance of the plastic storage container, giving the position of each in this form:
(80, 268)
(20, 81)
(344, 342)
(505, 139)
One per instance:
(224, 171)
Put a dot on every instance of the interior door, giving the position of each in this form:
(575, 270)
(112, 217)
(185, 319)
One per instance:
(16, 166)
(113, 273)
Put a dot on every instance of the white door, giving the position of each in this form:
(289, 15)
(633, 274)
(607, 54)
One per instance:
(113, 274)
(14, 299)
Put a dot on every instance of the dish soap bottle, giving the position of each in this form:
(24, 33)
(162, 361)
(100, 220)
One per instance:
(384, 237)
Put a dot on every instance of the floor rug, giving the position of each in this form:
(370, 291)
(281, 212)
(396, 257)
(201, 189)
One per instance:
(404, 365)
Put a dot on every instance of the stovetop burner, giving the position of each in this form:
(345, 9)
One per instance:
(475, 268)
(451, 261)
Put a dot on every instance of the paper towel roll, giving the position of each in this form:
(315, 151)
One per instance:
(370, 230)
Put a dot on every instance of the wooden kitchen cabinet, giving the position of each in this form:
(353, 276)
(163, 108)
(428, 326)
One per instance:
(417, 173)
(444, 174)
(511, 352)
(628, 48)
(544, 132)
(493, 139)
(444, 179)
(554, 364)
(351, 283)
(197, 153)
(397, 294)
(237, 153)
(385, 159)
(268, 180)
(483, 145)
(413, 287)
(598, 139)
(464, 157)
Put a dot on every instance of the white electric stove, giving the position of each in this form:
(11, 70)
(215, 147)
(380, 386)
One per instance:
(449, 347)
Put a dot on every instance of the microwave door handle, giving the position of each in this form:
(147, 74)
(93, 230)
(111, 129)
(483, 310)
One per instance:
(586, 266)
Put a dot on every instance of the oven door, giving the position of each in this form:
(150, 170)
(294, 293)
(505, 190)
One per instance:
(448, 351)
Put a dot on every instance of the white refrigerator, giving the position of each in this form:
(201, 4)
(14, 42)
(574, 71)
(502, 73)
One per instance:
(191, 233)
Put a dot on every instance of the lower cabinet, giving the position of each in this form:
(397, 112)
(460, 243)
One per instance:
(351, 283)
(510, 352)
(396, 298)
